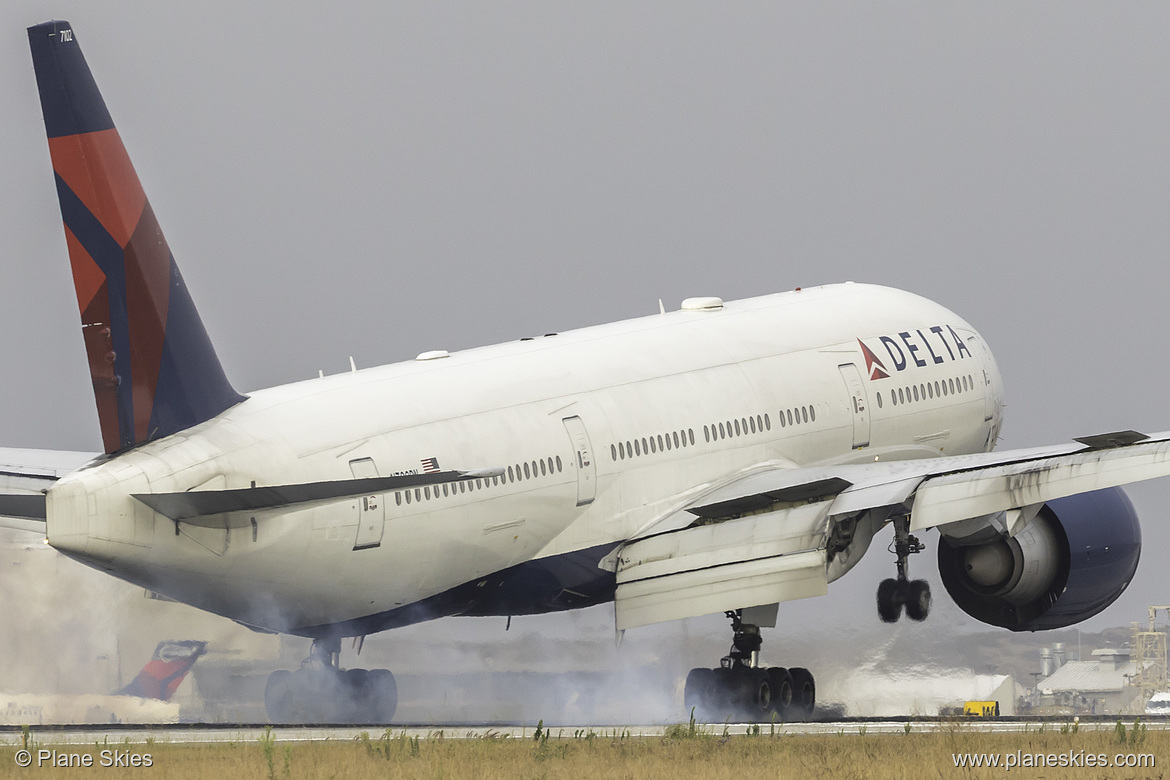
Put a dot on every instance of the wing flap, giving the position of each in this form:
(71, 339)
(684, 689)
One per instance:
(760, 559)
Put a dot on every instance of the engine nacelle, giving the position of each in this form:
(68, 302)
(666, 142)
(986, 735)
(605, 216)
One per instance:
(1070, 562)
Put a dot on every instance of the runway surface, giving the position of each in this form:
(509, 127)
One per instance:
(195, 733)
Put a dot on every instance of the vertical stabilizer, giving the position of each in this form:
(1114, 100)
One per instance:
(168, 666)
(153, 367)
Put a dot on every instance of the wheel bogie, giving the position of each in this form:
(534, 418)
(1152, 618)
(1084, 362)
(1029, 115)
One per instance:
(329, 695)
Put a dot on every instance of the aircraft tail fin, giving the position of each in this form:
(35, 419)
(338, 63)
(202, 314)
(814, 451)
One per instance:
(153, 367)
(165, 670)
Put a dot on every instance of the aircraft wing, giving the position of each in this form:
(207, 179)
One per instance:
(25, 475)
(766, 536)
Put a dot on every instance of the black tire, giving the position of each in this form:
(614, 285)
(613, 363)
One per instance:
(918, 600)
(277, 693)
(755, 694)
(360, 694)
(804, 693)
(384, 693)
(889, 601)
(697, 693)
(724, 697)
(782, 691)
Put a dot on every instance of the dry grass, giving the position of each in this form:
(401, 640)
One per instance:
(693, 754)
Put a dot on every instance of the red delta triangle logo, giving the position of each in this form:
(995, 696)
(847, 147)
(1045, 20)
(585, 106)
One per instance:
(872, 364)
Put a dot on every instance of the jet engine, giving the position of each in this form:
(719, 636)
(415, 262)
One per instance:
(1073, 560)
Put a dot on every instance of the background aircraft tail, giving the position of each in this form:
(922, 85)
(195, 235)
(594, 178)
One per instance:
(166, 669)
(153, 367)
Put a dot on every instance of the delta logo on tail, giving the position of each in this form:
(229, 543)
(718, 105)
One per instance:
(942, 345)
(153, 368)
(166, 669)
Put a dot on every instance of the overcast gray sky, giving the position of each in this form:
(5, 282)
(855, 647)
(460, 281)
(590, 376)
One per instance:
(379, 179)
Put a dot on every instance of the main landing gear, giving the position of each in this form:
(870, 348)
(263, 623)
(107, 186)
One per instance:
(914, 595)
(321, 692)
(740, 689)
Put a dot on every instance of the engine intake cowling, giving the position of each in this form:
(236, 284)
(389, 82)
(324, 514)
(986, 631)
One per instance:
(1070, 562)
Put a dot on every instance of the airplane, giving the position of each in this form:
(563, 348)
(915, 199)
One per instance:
(724, 457)
(146, 699)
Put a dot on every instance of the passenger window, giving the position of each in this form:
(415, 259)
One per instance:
(879, 397)
(767, 422)
(534, 469)
(706, 434)
(812, 414)
(936, 389)
(653, 446)
(629, 450)
(558, 464)
(691, 435)
(613, 452)
(668, 441)
(737, 428)
(621, 451)
(660, 442)
(408, 496)
(543, 472)
(675, 435)
(550, 466)
(645, 449)
(418, 495)
(915, 389)
(511, 476)
(462, 487)
(526, 473)
(637, 447)
(804, 413)
(722, 433)
(951, 382)
(444, 490)
(398, 499)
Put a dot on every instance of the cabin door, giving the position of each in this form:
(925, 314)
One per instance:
(583, 460)
(858, 402)
(371, 509)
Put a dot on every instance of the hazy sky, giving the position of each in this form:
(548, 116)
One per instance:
(379, 179)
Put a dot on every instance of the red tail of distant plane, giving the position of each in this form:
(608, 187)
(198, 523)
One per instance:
(153, 367)
(166, 669)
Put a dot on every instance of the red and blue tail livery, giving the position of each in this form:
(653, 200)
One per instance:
(153, 367)
(166, 669)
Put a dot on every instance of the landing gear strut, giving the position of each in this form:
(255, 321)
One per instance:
(914, 595)
(741, 689)
(321, 692)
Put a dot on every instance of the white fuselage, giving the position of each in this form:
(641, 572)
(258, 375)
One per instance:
(601, 432)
